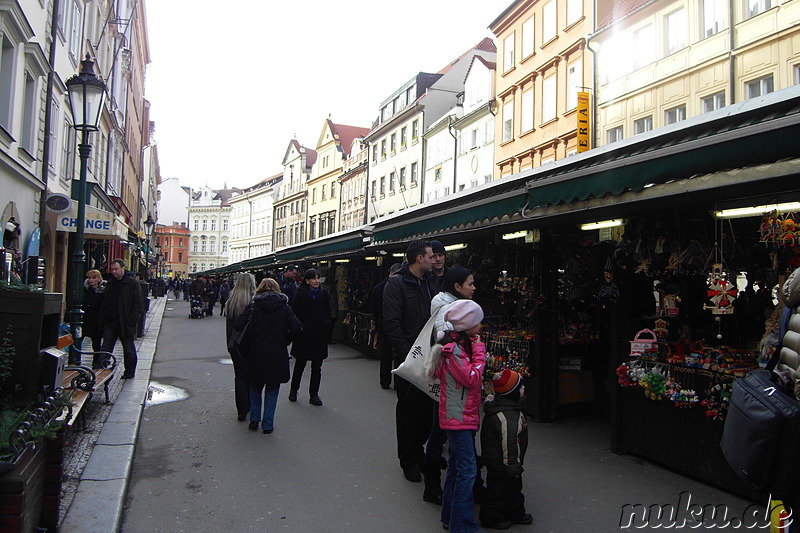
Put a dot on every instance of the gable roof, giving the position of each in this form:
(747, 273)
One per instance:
(491, 65)
(486, 45)
(346, 134)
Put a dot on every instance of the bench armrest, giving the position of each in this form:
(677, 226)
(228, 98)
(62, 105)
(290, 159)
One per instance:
(84, 379)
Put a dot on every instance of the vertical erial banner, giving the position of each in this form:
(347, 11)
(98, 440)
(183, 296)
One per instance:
(584, 126)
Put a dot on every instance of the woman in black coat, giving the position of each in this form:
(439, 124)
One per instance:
(264, 348)
(313, 307)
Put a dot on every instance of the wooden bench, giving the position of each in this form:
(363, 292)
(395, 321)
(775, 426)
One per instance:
(81, 382)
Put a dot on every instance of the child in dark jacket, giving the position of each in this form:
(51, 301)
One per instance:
(504, 439)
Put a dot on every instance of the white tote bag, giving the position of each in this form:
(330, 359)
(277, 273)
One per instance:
(413, 368)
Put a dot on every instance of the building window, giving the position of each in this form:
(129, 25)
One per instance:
(196, 224)
(527, 38)
(437, 174)
(393, 143)
(180, 242)
(402, 178)
(313, 198)
(224, 224)
(574, 83)
(224, 246)
(203, 244)
(205, 224)
(68, 154)
(574, 11)
(213, 224)
(508, 53)
(383, 185)
(312, 228)
(413, 173)
(550, 22)
(75, 34)
(383, 149)
(642, 125)
(760, 87)
(614, 134)
(756, 7)
(373, 187)
(415, 130)
(392, 180)
(644, 48)
(403, 137)
(488, 131)
(549, 98)
(508, 121)
(473, 138)
(324, 193)
(713, 102)
(213, 246)
(676, 114)
(374, 153)
(53, 134)
(194, 245)
(713, 17)
(675, 31)
(333, 190)
(180, 257)
(526, 118)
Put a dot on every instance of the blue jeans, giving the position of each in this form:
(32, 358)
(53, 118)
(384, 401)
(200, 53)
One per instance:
(458, 506)
(270, 402)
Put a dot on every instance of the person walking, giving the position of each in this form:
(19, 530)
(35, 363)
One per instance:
(94, 289)
(406, 309)
(504, 440)
(265, 355)
(458, 283)
(458, 361)
(313, 307)
(288, 282)
(224, 294)
(120, 311)
(211, 296)
(384, 348)
(241, 297)
(438, 266)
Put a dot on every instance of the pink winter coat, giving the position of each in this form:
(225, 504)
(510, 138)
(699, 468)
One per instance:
(460, 375)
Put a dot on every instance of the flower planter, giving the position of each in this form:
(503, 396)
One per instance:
(35, 318)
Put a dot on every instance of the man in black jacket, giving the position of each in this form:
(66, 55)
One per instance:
(288, 282)
(406, 309)
(120, 311)
(384, 348)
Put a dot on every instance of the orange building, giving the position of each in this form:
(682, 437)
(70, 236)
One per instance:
(174, 241)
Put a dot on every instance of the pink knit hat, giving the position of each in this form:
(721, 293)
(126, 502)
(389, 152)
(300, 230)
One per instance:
(463, 315)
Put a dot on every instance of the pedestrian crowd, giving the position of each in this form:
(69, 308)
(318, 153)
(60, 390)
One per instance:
(290, 309)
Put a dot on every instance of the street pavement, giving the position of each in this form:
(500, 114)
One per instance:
(334, 468)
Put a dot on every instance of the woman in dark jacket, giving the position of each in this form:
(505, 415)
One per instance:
(313, 307)
(241, 297)
(94, 288)
(265, 355)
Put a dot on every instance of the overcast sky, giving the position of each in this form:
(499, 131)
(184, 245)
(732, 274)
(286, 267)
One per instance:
(230, 86)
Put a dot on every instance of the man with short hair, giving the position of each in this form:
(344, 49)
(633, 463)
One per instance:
(288, 282)
(120, 311)
(384, 348)
(406, 309)
(437, 265)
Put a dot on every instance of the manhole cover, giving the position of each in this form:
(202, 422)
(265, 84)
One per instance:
(158, 393)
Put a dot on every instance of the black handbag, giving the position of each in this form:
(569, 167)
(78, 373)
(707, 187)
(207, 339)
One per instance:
(239, 338)
(762, 434)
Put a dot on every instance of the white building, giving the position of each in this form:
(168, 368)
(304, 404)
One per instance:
(475, 128)
(209, 226)
(397, 148)
(174, 200)
(251, 220)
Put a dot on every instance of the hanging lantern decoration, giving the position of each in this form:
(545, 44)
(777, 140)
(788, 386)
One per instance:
(720, 291)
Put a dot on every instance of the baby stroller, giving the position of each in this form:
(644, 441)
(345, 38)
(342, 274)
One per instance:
(196, 307)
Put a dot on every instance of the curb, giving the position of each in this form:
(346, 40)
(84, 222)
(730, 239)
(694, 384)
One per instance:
(105, 478)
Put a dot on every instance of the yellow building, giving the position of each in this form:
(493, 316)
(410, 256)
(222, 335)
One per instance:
(333, 148)
(542, 64)
(661, 62)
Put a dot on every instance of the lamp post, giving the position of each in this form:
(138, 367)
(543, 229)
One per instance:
(157, 246)
(149, 224)
(86, 94)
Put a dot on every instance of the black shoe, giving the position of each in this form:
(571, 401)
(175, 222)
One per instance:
(384, 387)
(432, 497)
(315, 400)
(128, 376)
(267, 431)
(241, 417)
(253, 425)
(412, 473)
(524, 520)
(505, 524)
(292, 396)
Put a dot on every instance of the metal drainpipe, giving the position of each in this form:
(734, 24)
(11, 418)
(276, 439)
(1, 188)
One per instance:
(455, 152)
(48, 120)
(731, 48)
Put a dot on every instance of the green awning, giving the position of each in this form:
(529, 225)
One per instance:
(462, 213)
(352, 243)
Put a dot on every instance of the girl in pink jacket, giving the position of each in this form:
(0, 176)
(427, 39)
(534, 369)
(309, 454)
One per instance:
(458, 363)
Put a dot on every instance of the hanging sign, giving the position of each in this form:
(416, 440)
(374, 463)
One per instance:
(584, 126)
(99, 224)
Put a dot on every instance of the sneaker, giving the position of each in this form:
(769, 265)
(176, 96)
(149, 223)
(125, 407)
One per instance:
(524, 520)
(292, 396)
(315, 400)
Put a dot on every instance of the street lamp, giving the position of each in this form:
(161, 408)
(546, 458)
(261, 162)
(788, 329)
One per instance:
(158, 257)
(86, 94)
(149, 224)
